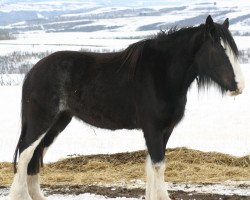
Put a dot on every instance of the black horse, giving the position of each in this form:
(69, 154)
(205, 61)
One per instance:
(142, 87)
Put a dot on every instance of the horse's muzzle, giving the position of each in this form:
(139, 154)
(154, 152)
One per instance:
(236, 92)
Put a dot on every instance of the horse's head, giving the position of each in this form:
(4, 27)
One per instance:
(217, 58)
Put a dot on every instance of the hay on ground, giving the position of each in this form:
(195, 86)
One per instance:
(183, 165)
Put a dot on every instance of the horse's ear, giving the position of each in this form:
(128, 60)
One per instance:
(209, 22)
(226, 23)
(210, 25)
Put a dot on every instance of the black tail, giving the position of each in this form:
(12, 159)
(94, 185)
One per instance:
(23, 132)
(23, 128)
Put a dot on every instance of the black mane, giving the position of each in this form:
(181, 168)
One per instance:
(226, 37)
(132, 54)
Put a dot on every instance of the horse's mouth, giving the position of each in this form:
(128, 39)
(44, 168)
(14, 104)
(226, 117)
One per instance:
(235, 93)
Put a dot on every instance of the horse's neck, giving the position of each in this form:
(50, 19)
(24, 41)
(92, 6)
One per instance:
(183, 67)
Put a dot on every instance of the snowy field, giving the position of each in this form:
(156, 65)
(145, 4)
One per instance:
(73, 197)
(229, 188)
(211, 123)
(85, 196)
(41, 42)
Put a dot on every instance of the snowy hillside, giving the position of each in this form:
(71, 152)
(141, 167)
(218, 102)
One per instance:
(101, 15)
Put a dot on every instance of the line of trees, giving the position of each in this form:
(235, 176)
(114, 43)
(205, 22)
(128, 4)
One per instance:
(19, 62)
(244, 56)
(6, 35)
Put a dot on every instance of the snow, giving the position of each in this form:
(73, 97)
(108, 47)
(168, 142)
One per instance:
(46, 5)
(42, 42)
(85, 196)
(226, 188)
(242, 42)
(130, 21)
(11, 79)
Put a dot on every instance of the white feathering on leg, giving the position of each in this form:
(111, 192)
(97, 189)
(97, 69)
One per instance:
(34, 184)
(155, 186)
(34, 187)
(19, 187)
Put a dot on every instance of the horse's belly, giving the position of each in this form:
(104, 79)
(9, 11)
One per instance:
(101, 121)
(108, 117)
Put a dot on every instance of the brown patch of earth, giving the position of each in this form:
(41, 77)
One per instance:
(134, 193)
(97, 172)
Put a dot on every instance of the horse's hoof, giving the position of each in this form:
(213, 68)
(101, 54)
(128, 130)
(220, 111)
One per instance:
(38, 197)
(19, 197)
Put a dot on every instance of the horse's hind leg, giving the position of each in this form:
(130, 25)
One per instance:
(36, 120)
(19, 189)
(62, 120)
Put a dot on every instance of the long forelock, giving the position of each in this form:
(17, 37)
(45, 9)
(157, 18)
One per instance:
(227, 38)
(232, 52)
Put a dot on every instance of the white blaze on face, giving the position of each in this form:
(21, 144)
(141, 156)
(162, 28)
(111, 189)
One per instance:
(239, 79)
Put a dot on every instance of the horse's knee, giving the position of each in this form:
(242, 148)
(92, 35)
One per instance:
(156, 187)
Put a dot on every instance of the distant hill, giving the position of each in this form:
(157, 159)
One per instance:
(113, 15)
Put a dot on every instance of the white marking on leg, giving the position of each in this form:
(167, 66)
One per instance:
(239, 78)
(155, 187)
(34, 187)
(34, 184)
(45, 151)
(19, 187)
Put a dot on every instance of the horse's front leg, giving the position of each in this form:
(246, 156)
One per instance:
(155, 166)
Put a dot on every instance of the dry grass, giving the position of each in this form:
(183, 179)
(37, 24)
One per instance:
(183, 165)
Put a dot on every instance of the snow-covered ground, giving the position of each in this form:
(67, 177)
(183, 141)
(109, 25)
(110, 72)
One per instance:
(85, 196)
(211, 123)
(112, 41)
(227, 188)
